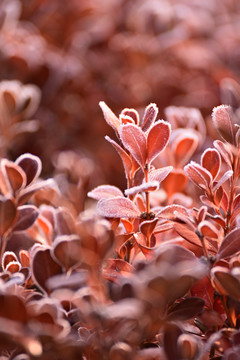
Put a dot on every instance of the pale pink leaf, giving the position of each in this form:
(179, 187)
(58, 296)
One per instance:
(196, 176)
(109, 116)
(157, 139)
(160, 174)
(104, 192)
(224, 151)
(118, 207)
(149, 186)
(171, 212)
(134, 140)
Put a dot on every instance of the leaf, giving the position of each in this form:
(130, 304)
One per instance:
(7, 214)
(188, 234)
(226, 176)
(8, 256)
(160, 174)
(149, 117)
(211, 161)
(157, 139)
(224, 151)
(223, 121)
(226, 283)
(109, 116)
(118, 207)
(115, 269)
(186, 309)
(134, 140)
(31, 165)
(14, 175)
(175, 182)
(132, 113)
(67, 250)
(147, 227)
(184, 146)
(104, 192)
(171, 212)
(145, 187)
(230, 245)
(43, 267)
(26, 216)
(198, 175)
(170, 337)
(208, 229)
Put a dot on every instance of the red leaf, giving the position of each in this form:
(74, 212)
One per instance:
(189, 235)
(67, 250)
(230, 245)
(8, 257)
(149, 117)
(118, 207)
(109, 116)
(104, 192)
(184, 146)
(226, 176)
(226, 283)
(157, 139)
(132, 113)
(134, 140)
(211, 161)
(7, 214)
(175, 182)
(198, 175)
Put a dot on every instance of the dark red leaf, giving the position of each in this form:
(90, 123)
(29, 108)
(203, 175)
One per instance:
(7, 214)
(149, 117)
(230, 245)
(43, 267)
(26, 216)
(31, 165)
(186, 309)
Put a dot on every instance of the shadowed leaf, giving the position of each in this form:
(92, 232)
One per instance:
(31, 165)
(186, 309)
(7, 214)
(230, 245)
(44, 267)
(26, 216)
(127, 162)
(149, 117)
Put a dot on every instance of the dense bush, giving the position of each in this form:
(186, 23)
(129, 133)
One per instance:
(146, 267)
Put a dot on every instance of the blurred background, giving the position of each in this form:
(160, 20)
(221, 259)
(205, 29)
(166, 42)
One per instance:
(126, 53)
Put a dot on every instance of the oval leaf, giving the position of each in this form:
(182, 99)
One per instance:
(230, 245)
(118, 207)
(134, 140)
(157, 139)
(26, 216)
(104, 192)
